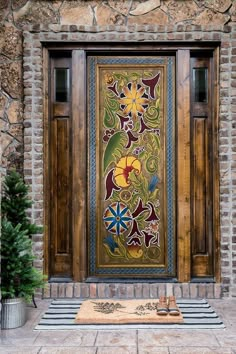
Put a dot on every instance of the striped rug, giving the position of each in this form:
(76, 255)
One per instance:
(197, 314)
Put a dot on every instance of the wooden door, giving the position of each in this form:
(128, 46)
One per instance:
(131, 166)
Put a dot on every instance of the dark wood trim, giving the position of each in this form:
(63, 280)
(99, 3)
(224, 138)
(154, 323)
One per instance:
(79, 165)
(121, 46)
(46, 160)
(183, 166)
(216, 172)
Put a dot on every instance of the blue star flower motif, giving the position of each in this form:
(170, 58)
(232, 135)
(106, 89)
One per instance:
(117, 218)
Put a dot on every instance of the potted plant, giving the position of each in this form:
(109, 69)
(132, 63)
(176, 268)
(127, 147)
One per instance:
(19, 278)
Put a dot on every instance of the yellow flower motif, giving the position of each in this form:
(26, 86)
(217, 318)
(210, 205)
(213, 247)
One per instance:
(133, 100)
(123, 168)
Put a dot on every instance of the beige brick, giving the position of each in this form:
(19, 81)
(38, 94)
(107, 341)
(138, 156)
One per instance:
(77, 290)
(93, 291)
(69, 289)
(138, 290)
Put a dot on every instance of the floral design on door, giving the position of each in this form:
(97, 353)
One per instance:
(130, 158)
(131, 164)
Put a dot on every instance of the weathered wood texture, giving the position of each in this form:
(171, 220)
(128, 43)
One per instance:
(183, 165)
(201, 169)
(60, 178)
(79, 165)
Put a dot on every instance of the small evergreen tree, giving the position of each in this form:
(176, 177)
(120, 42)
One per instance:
(19, 278)
(15, 203)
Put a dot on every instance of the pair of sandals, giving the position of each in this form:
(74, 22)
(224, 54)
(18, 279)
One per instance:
(167, 305)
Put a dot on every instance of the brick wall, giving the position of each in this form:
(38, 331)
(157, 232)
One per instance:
(111, 20)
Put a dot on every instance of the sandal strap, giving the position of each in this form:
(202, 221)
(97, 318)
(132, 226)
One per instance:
(174, 309)
(162, 309)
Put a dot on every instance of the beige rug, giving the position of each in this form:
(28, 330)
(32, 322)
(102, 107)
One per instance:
(122, 311)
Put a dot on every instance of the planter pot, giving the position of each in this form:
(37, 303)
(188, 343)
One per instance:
(13, 313)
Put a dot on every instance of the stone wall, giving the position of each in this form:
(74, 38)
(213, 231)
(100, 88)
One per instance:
(122, 20)
(14, 14)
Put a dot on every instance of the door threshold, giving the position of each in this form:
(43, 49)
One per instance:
(130, 280)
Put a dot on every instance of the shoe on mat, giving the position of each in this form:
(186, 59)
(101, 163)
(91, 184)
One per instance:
(162, 306)
(173, 308)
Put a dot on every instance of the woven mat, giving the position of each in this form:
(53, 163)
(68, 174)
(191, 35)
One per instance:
(197, 314)
(122, 312)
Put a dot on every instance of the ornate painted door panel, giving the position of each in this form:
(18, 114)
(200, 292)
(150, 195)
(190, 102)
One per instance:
(131, 173)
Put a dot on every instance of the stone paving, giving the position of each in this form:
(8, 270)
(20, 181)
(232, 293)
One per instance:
(26, 340)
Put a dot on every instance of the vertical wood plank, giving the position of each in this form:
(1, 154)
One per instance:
(63, 186)
(46, 191)
(199, 186)
(60, 200)
(216, 174)
(183, 169)
(53, 195)
(79, 165)
(201, 226)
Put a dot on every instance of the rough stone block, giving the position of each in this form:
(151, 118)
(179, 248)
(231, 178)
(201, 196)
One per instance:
(11, 79)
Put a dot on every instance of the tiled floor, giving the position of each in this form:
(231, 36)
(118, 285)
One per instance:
(26, 340)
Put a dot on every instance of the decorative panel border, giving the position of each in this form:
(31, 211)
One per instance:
(170, 171)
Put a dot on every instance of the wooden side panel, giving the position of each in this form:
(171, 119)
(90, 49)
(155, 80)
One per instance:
(201, 176)
(183, 169)
(60, 181)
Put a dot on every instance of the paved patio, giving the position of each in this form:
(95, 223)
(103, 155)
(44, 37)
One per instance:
(26, 340)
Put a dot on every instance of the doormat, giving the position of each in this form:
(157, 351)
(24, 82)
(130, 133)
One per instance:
(197, 314)
(122, 312)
